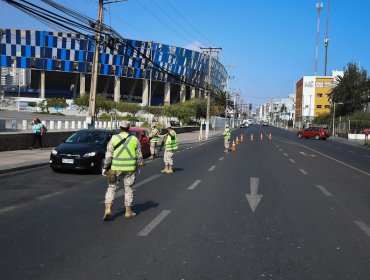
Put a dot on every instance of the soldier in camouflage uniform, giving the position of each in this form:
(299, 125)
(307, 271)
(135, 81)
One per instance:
(122, 159)
(171, 145)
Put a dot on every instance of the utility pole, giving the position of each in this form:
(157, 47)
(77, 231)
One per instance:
(209, 87)
(95, 68)
(2, 32)
(326, 42)
(318, 7)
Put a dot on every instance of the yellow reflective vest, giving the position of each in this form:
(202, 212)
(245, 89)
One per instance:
(227, 134)
(171, 144)
(124, 156)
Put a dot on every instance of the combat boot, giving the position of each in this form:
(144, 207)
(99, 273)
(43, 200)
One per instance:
(169, 170)
(107, 213)
(165, 170)
(226, 151)
(129, 213)
(151, 157)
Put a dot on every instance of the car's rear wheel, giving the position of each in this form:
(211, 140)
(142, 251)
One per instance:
(300, 135)
(317, 137)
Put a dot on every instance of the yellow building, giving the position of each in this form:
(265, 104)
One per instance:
(312, 97)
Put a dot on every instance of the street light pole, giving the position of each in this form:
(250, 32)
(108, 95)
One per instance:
(334, 116)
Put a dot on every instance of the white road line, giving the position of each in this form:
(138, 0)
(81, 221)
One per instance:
(292, 160)
(339, 148)
(341, 162)
(48, 195)
(325, 191)
(212, 168)
(196, 183)
(147, 180)
(221, 158)
(285, 154)
(351, 152)
(9, 208)
(154, 223)
(303, 171)
(280, 149)
(363, 226)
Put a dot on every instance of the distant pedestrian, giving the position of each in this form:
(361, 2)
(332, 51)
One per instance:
(170, 145)
(37, 128)
(227, 134)
(154, 139)
(122, 159)
(366, 131)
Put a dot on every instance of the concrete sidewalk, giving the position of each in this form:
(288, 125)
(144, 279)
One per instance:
(25, 159)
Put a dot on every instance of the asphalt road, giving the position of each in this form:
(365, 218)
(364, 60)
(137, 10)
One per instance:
(280, 209)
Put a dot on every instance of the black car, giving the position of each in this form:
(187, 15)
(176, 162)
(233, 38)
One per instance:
(83, 150)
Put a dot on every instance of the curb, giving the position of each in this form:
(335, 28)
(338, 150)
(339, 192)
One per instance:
(25, 167)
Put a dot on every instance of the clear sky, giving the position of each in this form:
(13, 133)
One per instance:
(269, 43)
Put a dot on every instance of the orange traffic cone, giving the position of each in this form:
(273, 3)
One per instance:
(237, 140)
(261, 137)
(241, 138)
(251, 137)
(233, 147)
(270, 136)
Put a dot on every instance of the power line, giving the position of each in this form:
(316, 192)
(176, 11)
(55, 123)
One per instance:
(171, 18)
(165, 24)
(188, 22)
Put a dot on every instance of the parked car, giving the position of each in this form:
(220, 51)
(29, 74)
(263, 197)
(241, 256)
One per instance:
(314, 132)
(244, 125)
(265, 124)
(85, 149)
(143, 136)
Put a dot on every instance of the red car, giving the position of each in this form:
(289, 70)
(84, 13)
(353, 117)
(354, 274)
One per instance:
(314, 132)
(143, 136)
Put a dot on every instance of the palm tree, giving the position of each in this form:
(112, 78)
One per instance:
(221, 101)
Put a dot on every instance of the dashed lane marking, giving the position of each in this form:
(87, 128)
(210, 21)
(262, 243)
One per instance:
(352, 152)
(153, 224)
(147, 180)
(339, 148)
(193, 186)
(285, 154)
(9, 208)
(48, 195)
(363, 226)
(303, 171)
(212, 168)
(221, 158)
(292, 160)
(324, 190)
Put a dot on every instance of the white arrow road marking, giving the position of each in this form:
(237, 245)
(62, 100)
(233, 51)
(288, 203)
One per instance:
(254, 198)
(154, 223)
(363, 226)
(303, 153)
(196, 183)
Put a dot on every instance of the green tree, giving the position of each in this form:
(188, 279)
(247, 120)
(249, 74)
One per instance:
(352, 90)
(56, 102)
(219, 101)
(131, 108)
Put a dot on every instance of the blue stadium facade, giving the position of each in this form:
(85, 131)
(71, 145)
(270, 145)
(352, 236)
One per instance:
(58, 60)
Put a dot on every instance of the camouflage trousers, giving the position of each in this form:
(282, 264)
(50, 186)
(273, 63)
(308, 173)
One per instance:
(128, 181)
(168, 158)
(227, 143)
(153, 148)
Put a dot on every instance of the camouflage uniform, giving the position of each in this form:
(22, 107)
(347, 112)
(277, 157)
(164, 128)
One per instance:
(128, 177)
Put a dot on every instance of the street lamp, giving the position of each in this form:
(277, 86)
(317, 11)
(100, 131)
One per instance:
(334, 116)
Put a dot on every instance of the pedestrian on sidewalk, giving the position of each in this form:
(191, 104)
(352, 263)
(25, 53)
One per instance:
(154, 139)
(171, 144)
(366, 131)
(227, 134)
(122, 160)
(37, 133)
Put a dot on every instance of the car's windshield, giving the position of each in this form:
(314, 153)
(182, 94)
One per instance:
(135, 133)
(88, 137)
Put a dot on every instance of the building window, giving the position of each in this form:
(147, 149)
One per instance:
(318, 106)
(327, 106)
(319, 95)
